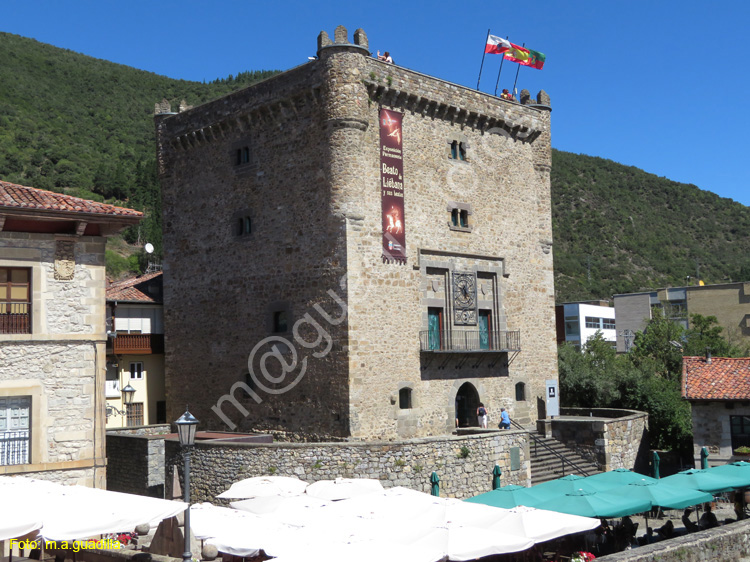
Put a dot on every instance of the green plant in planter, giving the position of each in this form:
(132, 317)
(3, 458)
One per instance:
(744, 450)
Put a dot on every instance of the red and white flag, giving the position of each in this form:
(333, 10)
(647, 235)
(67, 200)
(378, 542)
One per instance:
(497, 45)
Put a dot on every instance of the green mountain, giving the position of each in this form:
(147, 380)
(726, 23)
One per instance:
(618, 229)
(84, 126)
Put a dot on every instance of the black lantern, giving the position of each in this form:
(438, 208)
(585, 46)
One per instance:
(127, 394)
(186, 428)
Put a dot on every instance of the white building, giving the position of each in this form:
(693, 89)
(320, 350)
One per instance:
(579, 321)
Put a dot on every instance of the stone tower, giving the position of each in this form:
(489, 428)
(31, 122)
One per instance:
(357, 250)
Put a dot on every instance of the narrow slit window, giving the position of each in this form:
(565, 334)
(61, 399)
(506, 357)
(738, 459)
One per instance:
(404, 399)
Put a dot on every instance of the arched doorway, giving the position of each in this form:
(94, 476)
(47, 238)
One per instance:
(467, 402)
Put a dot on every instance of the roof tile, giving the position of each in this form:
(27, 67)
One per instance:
(723, 378)
(19, 196)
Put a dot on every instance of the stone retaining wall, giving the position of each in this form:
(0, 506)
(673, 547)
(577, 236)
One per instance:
(135, 464)
(464, 464)
(728, 543)
(610, 438)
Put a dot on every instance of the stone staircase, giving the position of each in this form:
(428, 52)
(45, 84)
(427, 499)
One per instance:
(545, 465)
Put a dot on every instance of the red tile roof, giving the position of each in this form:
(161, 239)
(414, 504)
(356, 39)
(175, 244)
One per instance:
(14, 196)
(129, 291)
(722, 379)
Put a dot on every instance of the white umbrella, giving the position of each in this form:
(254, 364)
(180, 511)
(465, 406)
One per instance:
(237, 532)
(541, 525)
(264, 486)
(78, 512)
(343, 488)
(295, 510)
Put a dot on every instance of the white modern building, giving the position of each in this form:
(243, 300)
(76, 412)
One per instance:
(579, 321)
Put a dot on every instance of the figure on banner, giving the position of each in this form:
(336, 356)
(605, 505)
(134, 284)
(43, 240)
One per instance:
(394, 221)
(385, 57)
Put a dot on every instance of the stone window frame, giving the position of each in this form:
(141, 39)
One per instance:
(241, 157)
(460, 209)
(38, 422)
(458, 148)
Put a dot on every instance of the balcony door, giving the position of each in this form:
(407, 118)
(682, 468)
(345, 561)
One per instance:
(434, 328)
(484, 321)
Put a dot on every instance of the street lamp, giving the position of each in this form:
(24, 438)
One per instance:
(186, 426)
(127, 394)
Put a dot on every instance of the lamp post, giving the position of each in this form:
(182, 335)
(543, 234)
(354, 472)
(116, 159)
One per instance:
(186, 426)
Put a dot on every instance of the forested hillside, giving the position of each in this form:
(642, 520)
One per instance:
(72, 123)
(84, 126)
(618, 229)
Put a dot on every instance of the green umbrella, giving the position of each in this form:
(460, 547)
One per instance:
(508, 496)
(704, 480)
(568, 484)
(496, 473)
(662, 494)
(616, 477)
(595, 504)
(739, 471)
(435, 481)
(704, 458)
(655, 465)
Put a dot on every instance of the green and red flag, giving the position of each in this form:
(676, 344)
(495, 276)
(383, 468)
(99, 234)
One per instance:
(525, 57)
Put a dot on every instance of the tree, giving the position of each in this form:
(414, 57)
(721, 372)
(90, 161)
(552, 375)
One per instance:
(705, 334)
(660, 345)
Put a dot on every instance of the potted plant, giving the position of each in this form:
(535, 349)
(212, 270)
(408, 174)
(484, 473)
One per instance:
(743, 451)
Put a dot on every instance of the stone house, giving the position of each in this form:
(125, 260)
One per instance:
(718, 389)
(135, 351)
(356, 250)
(52, 333)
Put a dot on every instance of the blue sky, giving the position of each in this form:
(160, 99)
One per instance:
(661, 85)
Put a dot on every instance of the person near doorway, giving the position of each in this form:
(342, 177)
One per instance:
(482, 416)
(504, 419)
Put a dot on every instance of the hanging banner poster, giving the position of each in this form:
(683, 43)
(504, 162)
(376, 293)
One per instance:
(392, 187)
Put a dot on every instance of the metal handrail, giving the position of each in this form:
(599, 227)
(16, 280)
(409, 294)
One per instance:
(538, 441)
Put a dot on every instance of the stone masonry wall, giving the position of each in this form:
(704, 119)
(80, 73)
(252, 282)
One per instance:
(505, 181)
(135, 464)
(728, 543)
(610, 443)
(222, 289)
(711, 428)
(61, 363)
(215, 466)
(312, 189)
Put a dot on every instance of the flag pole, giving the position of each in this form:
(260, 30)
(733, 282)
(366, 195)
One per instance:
(483, 55)
(517, 71)
(501, 69)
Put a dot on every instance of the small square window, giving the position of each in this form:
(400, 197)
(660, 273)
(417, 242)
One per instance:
(280, 324)
(458, 150)
(243, 155)
(459, 218)
(244, 225)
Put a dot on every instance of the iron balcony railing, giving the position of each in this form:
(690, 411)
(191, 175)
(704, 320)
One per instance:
(15, 317)
(469, 341)
(14, 447)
